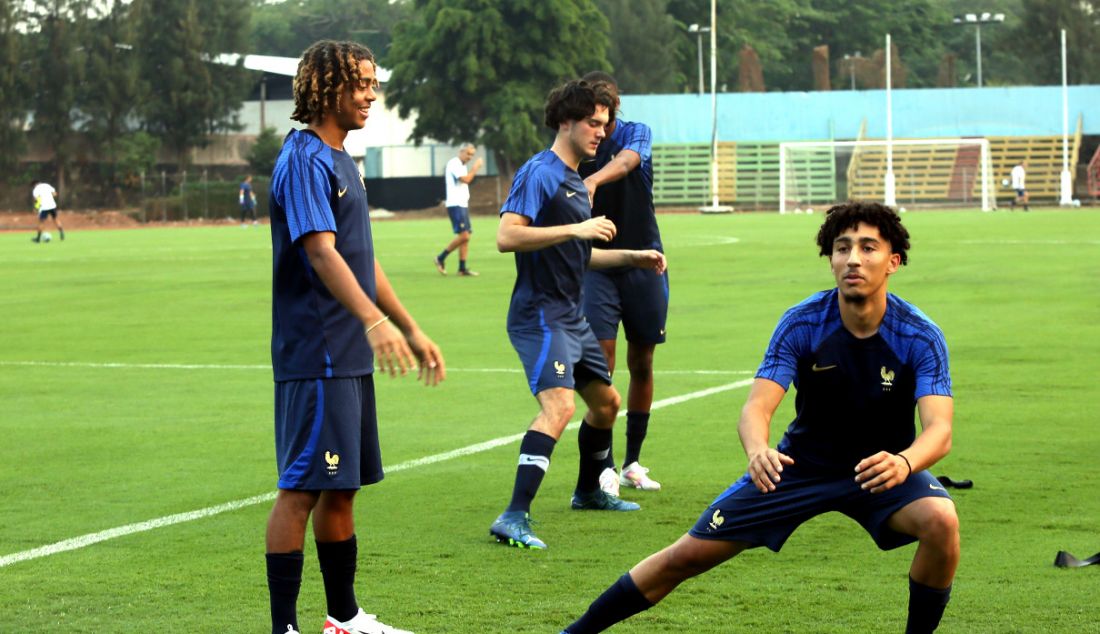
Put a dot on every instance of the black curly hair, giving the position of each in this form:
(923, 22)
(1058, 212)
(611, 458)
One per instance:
(848, 215)
(326, 68)
(576, 100)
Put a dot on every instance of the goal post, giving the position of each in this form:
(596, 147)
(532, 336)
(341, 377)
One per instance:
(929, 172)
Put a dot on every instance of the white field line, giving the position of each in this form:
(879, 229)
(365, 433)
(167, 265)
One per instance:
(168, 520)
(267, 366)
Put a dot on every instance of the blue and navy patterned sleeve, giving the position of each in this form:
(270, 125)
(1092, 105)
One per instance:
(638, 138)
(930, 364)
(533, 185)
(308, 187)
(792, 338)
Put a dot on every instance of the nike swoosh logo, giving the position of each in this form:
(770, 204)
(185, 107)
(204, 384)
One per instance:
(342, 192)
(570, 194)
(817, 368)
(936, 488)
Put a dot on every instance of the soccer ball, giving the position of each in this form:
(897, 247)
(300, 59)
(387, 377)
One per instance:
(809, 210)
(1004, 182)
(46, 237)
(901, 209)
(1076, 202)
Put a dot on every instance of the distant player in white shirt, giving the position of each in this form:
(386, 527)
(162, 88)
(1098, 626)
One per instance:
(45, 203)
(1018, 174)
(458, 180)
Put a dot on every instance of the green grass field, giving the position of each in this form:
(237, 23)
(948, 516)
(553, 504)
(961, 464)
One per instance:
(135, 384)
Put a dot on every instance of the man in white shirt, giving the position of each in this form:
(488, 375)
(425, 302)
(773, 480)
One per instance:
(45, 203)
(458, 180)
(1018, 174)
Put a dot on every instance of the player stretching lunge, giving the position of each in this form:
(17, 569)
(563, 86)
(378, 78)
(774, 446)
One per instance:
(547, 221)
(860, 358)
(334, 312)
(620, 183)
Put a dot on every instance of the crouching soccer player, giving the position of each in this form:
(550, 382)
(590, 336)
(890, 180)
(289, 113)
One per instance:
(860, 359)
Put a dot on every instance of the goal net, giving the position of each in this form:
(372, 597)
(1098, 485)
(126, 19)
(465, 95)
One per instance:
(907, 173)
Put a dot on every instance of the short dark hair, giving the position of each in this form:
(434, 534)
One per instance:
(326, 69)
(848, 215)
(607, 91)
(576, 100)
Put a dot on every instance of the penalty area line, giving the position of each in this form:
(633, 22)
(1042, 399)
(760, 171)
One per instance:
(84, 541)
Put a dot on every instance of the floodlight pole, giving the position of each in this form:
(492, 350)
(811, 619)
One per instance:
(714, 207)
(890, 194)
(1066, 198)
(699, 31)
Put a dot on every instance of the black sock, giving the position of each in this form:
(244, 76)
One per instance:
(637, 424)
(926, 607)
(462, 265)
(443, 256)
(338, 560)
(609, 461)
(594, 445)
(618, 603)
(284, 579)
(62, 232)
(39, 236)
(534, 460)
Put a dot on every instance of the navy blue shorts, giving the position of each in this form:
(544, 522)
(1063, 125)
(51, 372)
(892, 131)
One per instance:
(742, 513)
(560, 358)
(636, 297)
(1020, 193)
(46, 213)
(460, 219)
(326, 434)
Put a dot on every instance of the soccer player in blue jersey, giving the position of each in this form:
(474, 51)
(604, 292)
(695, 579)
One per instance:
(861, 360)
(620, 184)
(334, 316)
(547, 222)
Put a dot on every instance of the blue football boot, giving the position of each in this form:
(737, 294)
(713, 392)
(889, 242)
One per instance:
(600, 500)
(513, 528)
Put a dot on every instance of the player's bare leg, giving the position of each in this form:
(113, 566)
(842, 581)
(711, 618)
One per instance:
(935, 524)
(594, 442)
(639, 400)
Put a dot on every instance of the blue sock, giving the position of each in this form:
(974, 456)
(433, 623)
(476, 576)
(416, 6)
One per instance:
(462, 265)
(637, 424)
(443, 256)
(595, 445)
(284, 580)
(534, 460)
(926, 606)
(618, 603)
(338, 561)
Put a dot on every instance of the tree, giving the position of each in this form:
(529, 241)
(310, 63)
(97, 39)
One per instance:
(190, 96)
(55, 58)
(288, 28)
(265, 151)
(478, 70)
(110, 89)
(644, 46)
(1038, 39)
(12, 91)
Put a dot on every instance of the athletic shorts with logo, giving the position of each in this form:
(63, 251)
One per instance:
(743, 513)
(326, 434)
(560, 357)
(636, 297)
(460, 219)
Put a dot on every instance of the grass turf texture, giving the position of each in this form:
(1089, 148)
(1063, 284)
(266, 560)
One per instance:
(90, 447)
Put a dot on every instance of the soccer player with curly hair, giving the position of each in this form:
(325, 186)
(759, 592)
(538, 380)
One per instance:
(547, 222)
(335, 316)
(862, 359)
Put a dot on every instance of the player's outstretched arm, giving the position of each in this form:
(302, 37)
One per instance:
(651, 259)
(765, 463)
(432, 368)
(616, 169)
(884, 471)
(515, 233)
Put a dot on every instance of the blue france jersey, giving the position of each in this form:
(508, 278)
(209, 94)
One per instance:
(317, 188)
(855, 396)
(548, 281)
(627, 202)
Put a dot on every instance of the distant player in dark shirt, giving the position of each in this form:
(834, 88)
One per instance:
(247, 199)
(861, 360)
(334, 316)
(547, 222)
(620, 183)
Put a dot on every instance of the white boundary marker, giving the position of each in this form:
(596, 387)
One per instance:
(140, 527)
